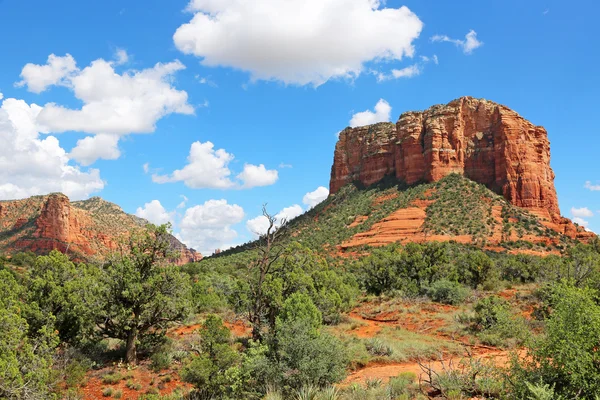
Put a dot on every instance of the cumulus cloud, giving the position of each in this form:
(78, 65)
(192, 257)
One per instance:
(31, 165)
(113, 104)
(381, 114)
(582, 212)
(588, 185)
(581, 221)
(209, 168)
(313, 198)
(297, 41)
(208, 227)
(118, 104)
(56, 71)
(259, 225)
(257, 175)
(92, 148)
(206, 168)
(155, 213)
(467, 45)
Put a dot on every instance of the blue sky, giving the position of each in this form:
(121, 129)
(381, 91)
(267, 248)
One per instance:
(270, 84)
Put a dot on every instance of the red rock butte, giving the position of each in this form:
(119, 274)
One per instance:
(89, 229)
(482, 140)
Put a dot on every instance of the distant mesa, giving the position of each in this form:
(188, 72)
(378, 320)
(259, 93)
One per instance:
(87, 230)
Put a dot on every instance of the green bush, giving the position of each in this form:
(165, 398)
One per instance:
(377, 347)
(213, 371)
(111, 378)
(161, 360)
(447, 292)
(565, 359)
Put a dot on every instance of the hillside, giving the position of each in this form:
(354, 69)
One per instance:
(88, 229)
(452, 209)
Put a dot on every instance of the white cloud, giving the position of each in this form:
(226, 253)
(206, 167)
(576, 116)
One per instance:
(581, 221)
(183, 202)
(433, 58)
(121, 57)
(118, 104)
(467, 45)
(205, 80)
(313, 198)
(206, 168)
(381, 114)
(30, 165)
(259, 225)
(57, 70)
(207, 227)
(209, 168)
(297, 41)
(92, 148)
(146, 167)
(257, 175)
(593, 188)
(113, 104)
(582, 212)
(155, 213)
(407, 72)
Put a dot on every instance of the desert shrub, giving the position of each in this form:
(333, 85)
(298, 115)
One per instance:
(378, 347)
(306, 357)
(496, 325)
(447, 292)
(213, 370)
(107, 392)
(566, 358)
(473, 267)
(161, 360)
(490, 311)
(26, 355)
(466, 378)
(111, 378)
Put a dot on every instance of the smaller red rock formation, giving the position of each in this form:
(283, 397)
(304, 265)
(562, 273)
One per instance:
(87, 229)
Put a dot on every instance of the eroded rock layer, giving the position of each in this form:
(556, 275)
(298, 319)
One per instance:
(482, 140)
(88, 229)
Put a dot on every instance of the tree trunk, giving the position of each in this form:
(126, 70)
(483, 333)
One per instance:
(131, 349)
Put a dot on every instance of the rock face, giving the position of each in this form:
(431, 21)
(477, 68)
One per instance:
(482, 140)
(88, 229)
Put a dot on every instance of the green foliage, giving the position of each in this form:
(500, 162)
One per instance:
(447, 292)
(473, 268)
(300, 308)
(215, 369)
(65, 290)
(378, 347)
(161, 360)
(304, 357)
(497, 325)
(566, 358)
(112, 378)
(25, 356)
(140, 296)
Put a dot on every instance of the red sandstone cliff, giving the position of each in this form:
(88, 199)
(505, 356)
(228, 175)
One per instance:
(484, 141)
(88, 229)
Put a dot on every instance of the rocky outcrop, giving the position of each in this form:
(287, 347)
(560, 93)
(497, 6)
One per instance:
(482, 140)
(88, 229)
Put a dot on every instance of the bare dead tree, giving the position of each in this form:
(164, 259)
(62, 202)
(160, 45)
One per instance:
(269, 252)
